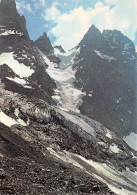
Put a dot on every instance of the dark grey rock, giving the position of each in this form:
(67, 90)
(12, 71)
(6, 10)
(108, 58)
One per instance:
(109, 81)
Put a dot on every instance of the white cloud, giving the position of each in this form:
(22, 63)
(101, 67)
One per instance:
(21, 6)
(71, 27)
(110, 2)
(32, 6)
(43, 2)
(51, 13)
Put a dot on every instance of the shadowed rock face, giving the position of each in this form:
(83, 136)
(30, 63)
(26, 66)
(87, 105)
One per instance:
(13, 26)
(106, 70)
(94, 40)
(8, 8)
(14, 39)
(43, 44)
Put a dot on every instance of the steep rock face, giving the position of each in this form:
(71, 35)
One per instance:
(123, 48)
(94, 40)
(44, 45)
(108, 80)
(13, 26)
(22, 69)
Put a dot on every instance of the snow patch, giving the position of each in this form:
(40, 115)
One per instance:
(103, 56)
(118, 101)
(57, 52)
(10, 32)
(18, 68)
(109, 135)
(19, 81)
(8, 121)
(114, 148)
(131, 140)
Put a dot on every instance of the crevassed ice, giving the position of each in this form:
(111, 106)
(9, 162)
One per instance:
(80, 122)
(66, 95)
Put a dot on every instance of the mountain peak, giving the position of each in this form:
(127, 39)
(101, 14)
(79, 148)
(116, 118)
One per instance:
(92, 35)
(44, 35)
(93, 31)
(44, 44)
(93, 28)
(94, 40)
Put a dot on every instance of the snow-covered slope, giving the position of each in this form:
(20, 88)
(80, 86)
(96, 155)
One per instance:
(18, 68)
(66, 95)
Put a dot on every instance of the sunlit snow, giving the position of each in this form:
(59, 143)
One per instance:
(18, 68)
(114, 148)
(10, 32)
(8, 121)
(131, 140)
(109, 135)
(19, 81)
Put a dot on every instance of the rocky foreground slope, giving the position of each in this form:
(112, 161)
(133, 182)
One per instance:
(45, 148)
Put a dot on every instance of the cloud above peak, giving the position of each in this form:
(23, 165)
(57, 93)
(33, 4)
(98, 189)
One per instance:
(70, 27)
(67, 21)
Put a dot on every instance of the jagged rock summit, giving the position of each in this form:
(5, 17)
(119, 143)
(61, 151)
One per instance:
(93, 39)
(44, 44)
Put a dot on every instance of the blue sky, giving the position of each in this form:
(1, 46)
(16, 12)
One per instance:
(66, 21)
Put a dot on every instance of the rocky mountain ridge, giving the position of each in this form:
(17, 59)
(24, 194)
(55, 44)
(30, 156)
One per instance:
(106, 71)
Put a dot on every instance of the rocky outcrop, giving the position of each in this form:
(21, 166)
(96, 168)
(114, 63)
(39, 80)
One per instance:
(59, 47)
